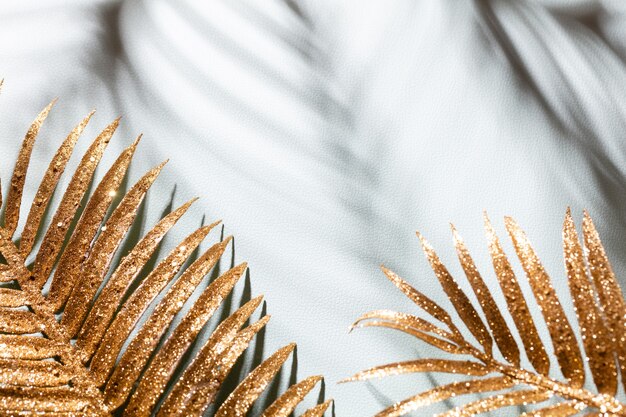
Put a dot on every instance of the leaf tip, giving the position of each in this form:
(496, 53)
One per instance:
(137, 140)
(348, 379)
(512, 227)
(161, 165)
(458, 240)
(239, 269)
(256, 301)
(568, 224)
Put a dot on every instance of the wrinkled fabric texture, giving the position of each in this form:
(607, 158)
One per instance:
(324, 134)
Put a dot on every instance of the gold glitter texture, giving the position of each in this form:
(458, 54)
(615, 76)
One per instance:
(14, 198)
(516, 303)
(563, 339)
(75, 254)
(600, 310)
(62, 350)
(501, 334)
(557, 410)
(108, 301)
(496, 402)
(461, 303)
(318, 410)
(609, 292)
(54, 237)
(240, 400)
(47, 186)
(593, 331)
(186, 397)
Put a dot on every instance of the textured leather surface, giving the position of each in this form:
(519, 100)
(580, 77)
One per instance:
(325, 133)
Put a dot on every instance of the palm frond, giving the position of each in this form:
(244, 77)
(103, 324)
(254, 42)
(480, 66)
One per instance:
(62, 349)
(600, 310)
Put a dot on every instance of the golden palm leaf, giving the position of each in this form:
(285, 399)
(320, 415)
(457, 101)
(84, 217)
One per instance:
(62, 349)
(600, 309)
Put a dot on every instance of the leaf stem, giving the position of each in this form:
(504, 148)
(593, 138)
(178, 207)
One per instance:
(603, 402)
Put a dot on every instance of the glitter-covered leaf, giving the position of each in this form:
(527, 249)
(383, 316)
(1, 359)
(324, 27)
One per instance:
(318, 410)
(445, 392)
(108, 301)
(101, 254)
(195, 389)
(608, 290)
(501, 333)
(597, 300)
(240, 400)
(422, 365)
(563, 340)
(497, 402)
(461, 303)
(516, 303)
(73, 341)
(55, 236)
(593, 330)
(557, 410)
(14, 197)
(286, 403)
(47, 186)
(74, 256)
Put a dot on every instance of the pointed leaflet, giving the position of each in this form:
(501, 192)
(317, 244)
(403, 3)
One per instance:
(140, 348)
(423, 301)
(563, 339)
(496, 402)
(318, 410)
(14, 198)
(557, 410)
(15, 268)
(444, 392)
(29, 347)
(54, 237)
(107, 243)
(404, 319)
(75, 254)
(212, 378)
(111, 295)
(517, 303)
(45, 362)
(422, 365)
(197, 372)
(503, 337)
(33, 373)
(13, 298)
(47, 186)
(19, 322)
(287, 402)
(609, 291)
(124, 321)
(164, 363)
(242, 397)
(434, 341)
(15, 400)
(459, 300)
(595, 335)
